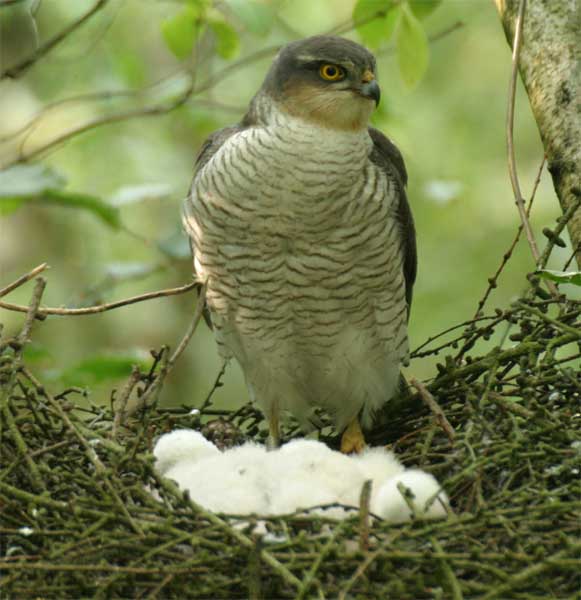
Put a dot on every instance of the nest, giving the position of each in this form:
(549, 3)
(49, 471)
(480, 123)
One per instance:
(84, 513)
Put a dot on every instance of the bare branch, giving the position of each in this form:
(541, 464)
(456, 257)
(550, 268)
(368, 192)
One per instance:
(22, 280)
(520, 203)
(32, 310)
(161, 108)
(510, 136)
(91, 310)
(435, 408)
(555, 233)
(44, 49)
(493, 281)
(167, 364)
(549, 68)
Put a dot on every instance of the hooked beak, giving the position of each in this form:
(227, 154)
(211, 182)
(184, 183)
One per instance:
(370, 89)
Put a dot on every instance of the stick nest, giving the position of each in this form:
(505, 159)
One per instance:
(497, 426)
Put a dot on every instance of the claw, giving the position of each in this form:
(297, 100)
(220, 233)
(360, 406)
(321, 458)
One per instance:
(352, 439)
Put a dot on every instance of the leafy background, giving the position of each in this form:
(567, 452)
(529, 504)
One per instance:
(102, 208)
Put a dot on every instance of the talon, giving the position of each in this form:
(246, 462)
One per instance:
(352, 440)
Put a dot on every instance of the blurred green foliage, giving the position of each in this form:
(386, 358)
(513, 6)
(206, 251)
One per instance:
(120, 108)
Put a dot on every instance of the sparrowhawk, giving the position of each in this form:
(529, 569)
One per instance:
(301, 230)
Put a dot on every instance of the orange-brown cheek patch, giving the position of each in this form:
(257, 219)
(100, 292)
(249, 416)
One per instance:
(335, 109)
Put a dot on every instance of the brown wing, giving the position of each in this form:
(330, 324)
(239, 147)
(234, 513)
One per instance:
(386, 156)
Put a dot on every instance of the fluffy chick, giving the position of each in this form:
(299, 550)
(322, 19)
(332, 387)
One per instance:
(308, 473)
(301, 474)
(391, 505)
(180, 445)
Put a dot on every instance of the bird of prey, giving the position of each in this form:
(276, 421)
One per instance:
(301, 230)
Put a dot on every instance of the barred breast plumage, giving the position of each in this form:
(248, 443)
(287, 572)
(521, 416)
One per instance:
(294, 229)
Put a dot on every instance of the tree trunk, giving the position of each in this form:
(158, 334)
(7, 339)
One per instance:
(549, 64)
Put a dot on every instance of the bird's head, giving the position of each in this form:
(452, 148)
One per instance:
(327, 80)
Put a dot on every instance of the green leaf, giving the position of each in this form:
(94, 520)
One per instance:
(227, 38)
(573, 277)
(256, 17)
(107, 213)
(413, 51)
(423, 8)
(384, 15)
(180, 31)
(27, 180)
(37, 183)
(101, 368)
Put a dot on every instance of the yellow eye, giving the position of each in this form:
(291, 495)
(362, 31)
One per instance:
(331, 72)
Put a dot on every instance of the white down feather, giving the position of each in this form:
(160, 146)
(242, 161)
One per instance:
(300, 475)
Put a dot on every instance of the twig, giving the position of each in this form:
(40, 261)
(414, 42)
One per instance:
(170, 106)
(310, 576)
(167, 364)
(89, 451)
(22, 280)
(217, 383)
(148, 111)
(493, 281)
(435, 408)
(171, 488)
(576, 332)
(510, 142)
(455, 589)
(193, 325)
(23, 338)
(32, 311)
(533, 571)
(364, 524)
(120, 406)
(92, 310)
(44, 49)
(555, 233)
(159, 587)
(358, 573)
(513, 407)
(510, 135)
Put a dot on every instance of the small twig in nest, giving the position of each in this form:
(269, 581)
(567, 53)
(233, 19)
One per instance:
(168, 363)
(435, 408)
(364, 524)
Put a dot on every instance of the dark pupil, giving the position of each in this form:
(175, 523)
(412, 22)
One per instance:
(331, 71)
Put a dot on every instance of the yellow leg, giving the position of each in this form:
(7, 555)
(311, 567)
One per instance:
(352, 439)
(273, 428)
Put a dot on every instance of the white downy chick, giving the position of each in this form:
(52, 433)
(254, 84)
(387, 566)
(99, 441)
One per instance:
(308, 473)
(378, 465)
(299, 475)
(179, 445)
(391, 505)
(233, 481)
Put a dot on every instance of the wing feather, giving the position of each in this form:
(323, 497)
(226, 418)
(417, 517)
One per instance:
(386, 156)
